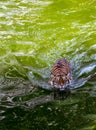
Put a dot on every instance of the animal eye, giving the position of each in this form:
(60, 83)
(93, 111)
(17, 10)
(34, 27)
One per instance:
(63, 77)
(57, 78)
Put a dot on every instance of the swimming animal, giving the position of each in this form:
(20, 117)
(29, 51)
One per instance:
(61, 74)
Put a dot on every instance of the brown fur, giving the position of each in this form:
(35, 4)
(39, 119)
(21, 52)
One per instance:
(61, 73)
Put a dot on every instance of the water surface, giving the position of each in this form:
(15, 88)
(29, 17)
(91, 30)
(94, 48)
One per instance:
(33, 34)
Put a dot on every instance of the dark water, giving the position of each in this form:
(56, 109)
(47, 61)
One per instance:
(33, 34)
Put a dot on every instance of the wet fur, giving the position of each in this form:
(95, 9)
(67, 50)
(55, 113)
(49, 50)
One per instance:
(61, 74)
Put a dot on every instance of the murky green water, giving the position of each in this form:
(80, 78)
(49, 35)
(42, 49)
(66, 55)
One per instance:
(33, 34)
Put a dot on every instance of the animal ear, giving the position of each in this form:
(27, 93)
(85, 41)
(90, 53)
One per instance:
(50, 82)
(69, 77)
(52, 75)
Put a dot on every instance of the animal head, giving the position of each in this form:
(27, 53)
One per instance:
(59, 82)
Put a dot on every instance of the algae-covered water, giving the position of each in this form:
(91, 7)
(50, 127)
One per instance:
(33, 34)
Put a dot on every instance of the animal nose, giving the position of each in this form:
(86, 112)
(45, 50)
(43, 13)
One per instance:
(62, 85)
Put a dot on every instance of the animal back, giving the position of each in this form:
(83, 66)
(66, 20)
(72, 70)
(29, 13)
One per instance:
(61, 67)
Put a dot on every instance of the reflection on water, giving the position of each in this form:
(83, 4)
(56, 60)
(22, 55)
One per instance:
(33, 34)
(76, 112)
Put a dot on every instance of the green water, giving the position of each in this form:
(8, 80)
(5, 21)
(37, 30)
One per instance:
(33, 34)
